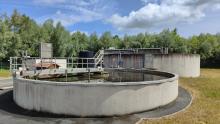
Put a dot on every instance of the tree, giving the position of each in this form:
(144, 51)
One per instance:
(139, 41)
(59, 39)
(46, 31)
(79, 42)
(94, 44)
(5, 37)
(19, 32)
(116, 42)
(106, 40)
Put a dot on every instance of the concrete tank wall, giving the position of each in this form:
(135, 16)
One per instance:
(185, 65)
(124, 61)
(94, 99)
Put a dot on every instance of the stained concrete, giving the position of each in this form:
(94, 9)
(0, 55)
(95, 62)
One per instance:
(185, 65)
(95, 99)
(10, 113)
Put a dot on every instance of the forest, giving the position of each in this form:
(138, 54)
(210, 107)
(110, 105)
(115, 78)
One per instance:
(19, 32)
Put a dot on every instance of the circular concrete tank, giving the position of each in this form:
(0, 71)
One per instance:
(185, 65)
(95, 98)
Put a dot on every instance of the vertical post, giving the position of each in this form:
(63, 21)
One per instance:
(87, 62)
(22, 60)
(41, 64)
(10, 64)
(55, 63)
(66, 74)
(14, 74)
(101, 63)
(68, 62)
(82, 62)
(72, 63)
(89, 74)
(1, 66)
(16, 60)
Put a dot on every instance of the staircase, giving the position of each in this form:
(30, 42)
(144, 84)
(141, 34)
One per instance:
(99, 57)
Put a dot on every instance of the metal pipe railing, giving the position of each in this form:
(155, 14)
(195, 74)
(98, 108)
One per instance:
(69, 62)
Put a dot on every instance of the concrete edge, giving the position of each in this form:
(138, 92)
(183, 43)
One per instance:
(5, 78)
(166, 116)
(80, 83)
(6, 88)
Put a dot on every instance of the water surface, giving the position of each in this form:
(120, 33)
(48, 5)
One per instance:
(111, 76)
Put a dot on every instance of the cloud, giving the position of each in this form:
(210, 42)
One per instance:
(69, 18)
(49, 1)
(149, 1)
(69, 12)
(163, 12)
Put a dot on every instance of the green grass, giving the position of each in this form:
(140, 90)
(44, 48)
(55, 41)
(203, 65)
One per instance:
(205, 108)
(4, 73)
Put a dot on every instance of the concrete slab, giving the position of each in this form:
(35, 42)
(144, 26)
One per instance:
(10, 113)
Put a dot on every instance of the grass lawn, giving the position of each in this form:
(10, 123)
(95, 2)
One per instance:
(205, 108)
(4, 73)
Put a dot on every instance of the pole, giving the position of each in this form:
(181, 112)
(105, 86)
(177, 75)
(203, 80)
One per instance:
(66, 74)
(10, 64)
(1, 66)
(89, 74)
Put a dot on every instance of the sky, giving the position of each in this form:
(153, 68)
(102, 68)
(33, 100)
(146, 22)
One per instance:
(190, 17)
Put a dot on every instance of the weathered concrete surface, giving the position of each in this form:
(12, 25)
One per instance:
(124, 60)
(185, 65)
(10, 113)
(94, 99)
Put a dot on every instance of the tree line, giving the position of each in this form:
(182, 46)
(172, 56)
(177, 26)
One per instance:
(19, 32)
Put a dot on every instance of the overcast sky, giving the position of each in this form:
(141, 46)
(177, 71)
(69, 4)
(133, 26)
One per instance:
(123, 16)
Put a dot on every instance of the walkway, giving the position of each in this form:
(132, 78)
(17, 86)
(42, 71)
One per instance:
(10, 113)
(6, 83)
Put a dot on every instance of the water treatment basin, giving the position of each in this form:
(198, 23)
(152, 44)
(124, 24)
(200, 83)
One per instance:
(118, 92)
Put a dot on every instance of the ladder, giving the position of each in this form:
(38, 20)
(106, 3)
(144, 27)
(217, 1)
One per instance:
(99, 57)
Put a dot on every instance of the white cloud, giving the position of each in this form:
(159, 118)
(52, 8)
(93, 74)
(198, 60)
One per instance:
(217, 6)
(49, 1)
(70, 12)
(163, 12)
(68, 19)
(150, 1)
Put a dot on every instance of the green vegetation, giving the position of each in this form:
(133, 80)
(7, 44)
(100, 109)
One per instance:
(205, 108)
(19, 32)
(4, 73)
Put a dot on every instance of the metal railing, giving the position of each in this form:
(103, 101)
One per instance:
(99, 57)
(30, 63)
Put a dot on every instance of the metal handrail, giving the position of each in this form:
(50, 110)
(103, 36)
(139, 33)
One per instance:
(99, 57)
(70, 62)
